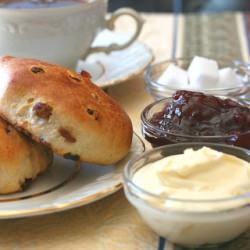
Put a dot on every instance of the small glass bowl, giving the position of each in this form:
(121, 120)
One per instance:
(159, 91)
(159, 137)
(203, 223)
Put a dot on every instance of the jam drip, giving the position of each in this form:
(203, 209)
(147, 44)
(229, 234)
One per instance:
(195, 114)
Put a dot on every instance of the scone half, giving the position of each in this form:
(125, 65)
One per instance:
(21, 159)
(63, 109)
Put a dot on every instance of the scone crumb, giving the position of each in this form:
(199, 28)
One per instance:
(67, 135)
(30, 100)
(95, 96)
(75, 78)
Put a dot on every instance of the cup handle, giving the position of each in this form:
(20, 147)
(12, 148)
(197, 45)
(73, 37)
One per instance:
(110, 25)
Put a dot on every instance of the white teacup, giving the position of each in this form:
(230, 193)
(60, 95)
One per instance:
(59, 35)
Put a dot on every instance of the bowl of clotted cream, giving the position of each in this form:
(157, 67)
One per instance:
(210, 76)
(193, 194)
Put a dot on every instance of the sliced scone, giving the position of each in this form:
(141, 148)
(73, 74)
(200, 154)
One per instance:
(21, 159)
(64, 110)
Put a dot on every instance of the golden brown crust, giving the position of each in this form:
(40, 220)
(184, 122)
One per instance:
(101, 129)
(20, 159)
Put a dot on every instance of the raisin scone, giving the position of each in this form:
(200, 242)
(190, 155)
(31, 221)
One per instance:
(64, 110)
(21, 159)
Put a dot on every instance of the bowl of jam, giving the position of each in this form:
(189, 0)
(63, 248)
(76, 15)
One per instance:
(190, 116)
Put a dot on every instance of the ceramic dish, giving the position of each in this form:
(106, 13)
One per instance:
(66, 185)
(114, 68)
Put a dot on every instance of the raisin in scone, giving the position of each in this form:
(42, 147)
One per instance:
(21, 159)
(64, 110)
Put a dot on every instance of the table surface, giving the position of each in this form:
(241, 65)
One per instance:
(111, 223)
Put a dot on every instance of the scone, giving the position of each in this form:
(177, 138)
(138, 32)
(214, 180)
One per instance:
(21, 159)
(64, 110)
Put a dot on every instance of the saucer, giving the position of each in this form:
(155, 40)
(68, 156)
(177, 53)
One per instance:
(67, 185)
(118, 66)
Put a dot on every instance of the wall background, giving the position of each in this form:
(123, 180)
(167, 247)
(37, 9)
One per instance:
(182, 5)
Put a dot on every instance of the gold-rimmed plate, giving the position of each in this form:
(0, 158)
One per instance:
(118, 66)
(67, 185)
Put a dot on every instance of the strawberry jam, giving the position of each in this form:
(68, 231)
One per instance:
(193, 116)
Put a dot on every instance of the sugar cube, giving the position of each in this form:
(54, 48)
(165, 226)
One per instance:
(174, 77)
(203, 73)
(228, 78)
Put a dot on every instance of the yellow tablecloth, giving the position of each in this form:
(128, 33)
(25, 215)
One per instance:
(110, 223)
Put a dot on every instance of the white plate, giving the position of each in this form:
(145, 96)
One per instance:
(116, 67)
(66, 185)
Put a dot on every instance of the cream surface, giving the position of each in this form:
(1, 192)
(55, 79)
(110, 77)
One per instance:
(203, 174)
